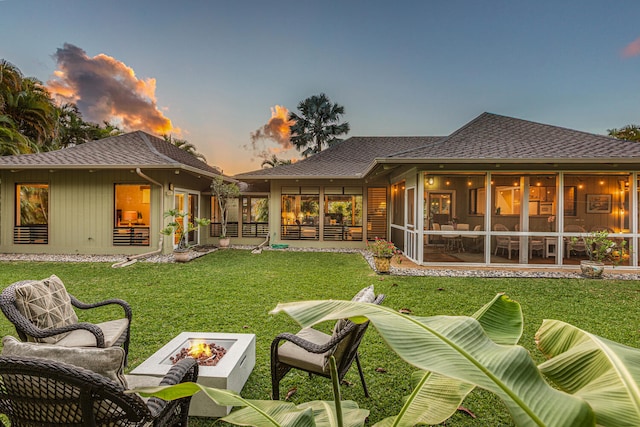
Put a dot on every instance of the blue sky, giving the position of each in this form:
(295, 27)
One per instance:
(398, 68)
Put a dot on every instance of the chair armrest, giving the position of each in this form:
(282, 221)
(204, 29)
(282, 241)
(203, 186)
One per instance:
(36, 332)
(310, 346)
(186, 370)
(83, 305)
(313, 347)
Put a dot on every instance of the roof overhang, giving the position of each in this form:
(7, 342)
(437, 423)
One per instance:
(177, 167)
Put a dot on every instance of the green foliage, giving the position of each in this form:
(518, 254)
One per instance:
(274, 161)
(181, 225)
(31, 121)
(629, 132)
(317, 125)
(233, 291)
(185, 145)
(601, 248)
(382, 248)
(598, 378)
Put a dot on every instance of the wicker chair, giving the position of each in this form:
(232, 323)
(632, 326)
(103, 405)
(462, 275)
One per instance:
(312, 347)
(79, 334)
(36, 391)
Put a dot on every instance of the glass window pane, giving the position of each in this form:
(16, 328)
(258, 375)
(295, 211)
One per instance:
(132, 205)
(32, 205)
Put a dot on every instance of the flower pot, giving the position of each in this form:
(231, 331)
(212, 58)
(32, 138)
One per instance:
(224, 242)
(382, 263)
(592, 269)
(181, 256)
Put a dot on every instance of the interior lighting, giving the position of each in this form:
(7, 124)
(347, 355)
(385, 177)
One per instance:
(430, 180)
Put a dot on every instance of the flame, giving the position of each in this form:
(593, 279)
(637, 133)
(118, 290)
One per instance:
(198, 349)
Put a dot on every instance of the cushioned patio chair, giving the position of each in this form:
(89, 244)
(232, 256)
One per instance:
(42, 311)
(309, 350)
(35, 391)
(510, 243)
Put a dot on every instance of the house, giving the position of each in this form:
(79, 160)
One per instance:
(101, 197)
(498, 191)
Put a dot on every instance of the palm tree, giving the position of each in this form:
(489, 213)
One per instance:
(72, 130)
(317, 124)
(185, 145)
(28, 105)
(12, 142)
(274, 161)
(629, 132)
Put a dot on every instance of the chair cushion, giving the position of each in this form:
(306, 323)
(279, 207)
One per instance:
(291, 354)
(112, 330)
(47, 305)
(108, 362)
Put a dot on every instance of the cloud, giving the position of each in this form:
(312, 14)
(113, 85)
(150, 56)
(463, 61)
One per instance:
(105, 89)
(632, 49)
(276, 130)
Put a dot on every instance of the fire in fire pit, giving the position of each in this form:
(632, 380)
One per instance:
(207, 354)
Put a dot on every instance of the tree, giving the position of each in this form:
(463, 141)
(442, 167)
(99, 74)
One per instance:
(73, 130)
(318, 124)
(224, 192)
(629, 132)
(185, 145)
(274, 161)
(30, 120)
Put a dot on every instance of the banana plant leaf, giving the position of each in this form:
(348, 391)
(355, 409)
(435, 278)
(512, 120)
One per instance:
(266, 412)
(604, 373)
(435, 398)
(458, 347)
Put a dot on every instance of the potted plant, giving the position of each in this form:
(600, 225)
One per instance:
(223, 192)
(382, 251)
(180, 227)
(600, 249)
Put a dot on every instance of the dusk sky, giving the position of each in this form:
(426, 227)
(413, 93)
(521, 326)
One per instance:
(213, 72)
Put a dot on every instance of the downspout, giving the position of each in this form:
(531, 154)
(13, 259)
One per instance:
(133, 258)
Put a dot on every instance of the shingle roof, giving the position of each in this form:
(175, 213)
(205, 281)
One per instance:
(493, 137)
(134, 149)
(487, 138)
(351, 158)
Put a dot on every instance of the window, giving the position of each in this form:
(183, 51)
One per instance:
(32, 214)
(255, 216)
(376, 213)
(132, 216)
(397, 203)
(343, 215)
(300, 215)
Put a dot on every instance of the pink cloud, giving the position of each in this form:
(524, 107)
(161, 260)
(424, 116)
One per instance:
(632, 49)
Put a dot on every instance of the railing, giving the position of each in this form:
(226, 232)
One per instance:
(299, 232)
(255, 229)
(131, 236)
(215, 229)
(31, 235)
(342, 232)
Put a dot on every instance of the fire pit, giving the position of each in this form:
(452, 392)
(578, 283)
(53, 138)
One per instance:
(230, 371)
(207, 354)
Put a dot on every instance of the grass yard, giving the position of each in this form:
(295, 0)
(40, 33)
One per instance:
(234, 290)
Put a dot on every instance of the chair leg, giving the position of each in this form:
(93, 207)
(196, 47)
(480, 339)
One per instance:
(364, 384)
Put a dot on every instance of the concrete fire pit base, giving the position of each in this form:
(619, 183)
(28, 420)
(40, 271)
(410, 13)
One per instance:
(230, 373)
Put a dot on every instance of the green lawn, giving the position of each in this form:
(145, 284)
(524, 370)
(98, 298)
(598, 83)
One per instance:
(234, 290)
